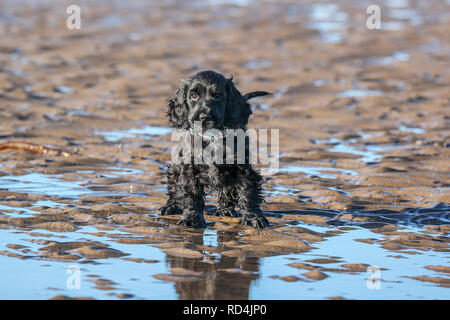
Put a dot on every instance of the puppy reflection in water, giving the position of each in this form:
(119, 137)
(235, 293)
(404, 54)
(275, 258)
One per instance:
(215, 279)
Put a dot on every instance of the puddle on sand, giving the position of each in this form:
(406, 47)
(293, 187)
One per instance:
(399, 56)
(359, 93)
(145, 132)
(187, 264)
(410, 15)
(281, 92)
(370, 152)
(329, 21)
(39, 183)
(394, 282)
(402, 12)
(322, 172)
(232, 2)
(281, 190)
(53, 185)
(130, 277)
(16, 212)
(392, 25)
(172, 276)
(254, 64)
(411, 130)
(48, 203)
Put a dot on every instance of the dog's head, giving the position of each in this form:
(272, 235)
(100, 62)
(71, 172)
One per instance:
(211, 98)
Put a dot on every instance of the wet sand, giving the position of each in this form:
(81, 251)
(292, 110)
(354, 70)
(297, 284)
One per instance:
(360, 206)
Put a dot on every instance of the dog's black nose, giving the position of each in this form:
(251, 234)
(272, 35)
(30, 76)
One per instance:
(206, 115)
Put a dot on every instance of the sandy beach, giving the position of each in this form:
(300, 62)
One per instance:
(359, 206)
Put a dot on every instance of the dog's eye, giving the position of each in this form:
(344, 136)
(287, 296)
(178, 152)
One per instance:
(194, 96)
(217, 95)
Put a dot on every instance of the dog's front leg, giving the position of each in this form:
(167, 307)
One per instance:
(171, 206)
(249, 199)
(191, 198)
(226, 202)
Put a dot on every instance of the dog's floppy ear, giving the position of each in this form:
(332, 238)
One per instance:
(238, 110)
(177, 109)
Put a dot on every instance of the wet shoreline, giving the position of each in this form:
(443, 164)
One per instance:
(362, 192)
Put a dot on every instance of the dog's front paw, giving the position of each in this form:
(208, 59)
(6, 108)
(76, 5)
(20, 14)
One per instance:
(192, 221)
(255, 220)
(224, 212)
(169, 210)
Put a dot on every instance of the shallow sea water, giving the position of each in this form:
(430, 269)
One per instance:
(359, 206)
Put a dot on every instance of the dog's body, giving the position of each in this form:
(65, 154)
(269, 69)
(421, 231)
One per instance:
(214, 100)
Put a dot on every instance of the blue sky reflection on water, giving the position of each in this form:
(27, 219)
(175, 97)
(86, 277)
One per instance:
(42, 279)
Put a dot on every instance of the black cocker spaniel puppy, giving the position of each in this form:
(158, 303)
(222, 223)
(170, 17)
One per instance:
(213, 100)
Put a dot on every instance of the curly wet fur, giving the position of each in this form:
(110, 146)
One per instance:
(236, 184)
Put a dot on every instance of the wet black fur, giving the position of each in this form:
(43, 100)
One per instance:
(236, 184)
